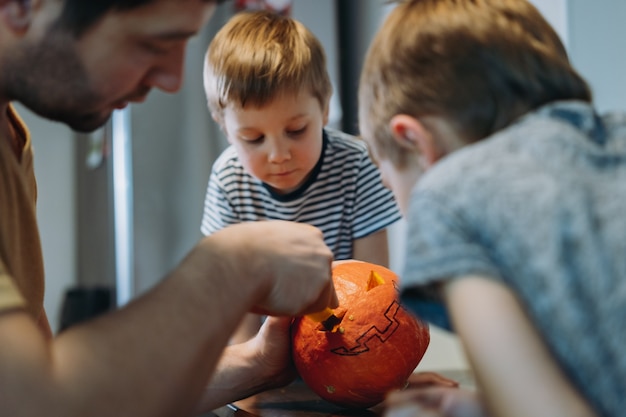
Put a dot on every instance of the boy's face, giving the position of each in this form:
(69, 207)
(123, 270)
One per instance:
(279, 143)
(117, 61)
(399, 180)
(413, 145)
(417, 143)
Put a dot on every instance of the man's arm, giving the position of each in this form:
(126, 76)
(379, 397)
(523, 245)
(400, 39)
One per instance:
(154, 356)
(259, 364)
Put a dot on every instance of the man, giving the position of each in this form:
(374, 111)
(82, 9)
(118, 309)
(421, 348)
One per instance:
(76, 61)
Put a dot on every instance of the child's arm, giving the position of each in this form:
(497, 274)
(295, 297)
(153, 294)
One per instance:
(372, 248)
(514, 370)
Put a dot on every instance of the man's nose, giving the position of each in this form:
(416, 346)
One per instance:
(168, 75)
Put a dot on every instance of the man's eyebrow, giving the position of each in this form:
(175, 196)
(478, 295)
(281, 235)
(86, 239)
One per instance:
(174, 35)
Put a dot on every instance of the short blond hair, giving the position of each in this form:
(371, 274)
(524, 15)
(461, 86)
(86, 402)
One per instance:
(258, 55)
(480, 64)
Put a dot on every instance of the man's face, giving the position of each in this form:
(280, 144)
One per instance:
(117, 61)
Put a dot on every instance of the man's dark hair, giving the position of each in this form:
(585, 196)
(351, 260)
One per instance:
(78, 15)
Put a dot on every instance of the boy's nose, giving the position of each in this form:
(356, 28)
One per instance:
(278, 153)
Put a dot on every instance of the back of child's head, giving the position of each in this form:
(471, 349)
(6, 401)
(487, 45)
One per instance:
(259, 55)
(480, 64)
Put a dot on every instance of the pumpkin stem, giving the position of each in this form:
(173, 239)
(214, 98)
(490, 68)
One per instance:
(375, 280)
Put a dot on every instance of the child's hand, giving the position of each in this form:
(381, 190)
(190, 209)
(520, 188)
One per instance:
(428, 379)
(434, 400)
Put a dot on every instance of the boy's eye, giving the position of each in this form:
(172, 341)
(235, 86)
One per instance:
(296, 132)
(253, 139)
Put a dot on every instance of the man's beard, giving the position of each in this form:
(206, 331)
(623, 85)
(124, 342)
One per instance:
(49, 79)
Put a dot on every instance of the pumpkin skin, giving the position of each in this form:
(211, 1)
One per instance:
(374, 348)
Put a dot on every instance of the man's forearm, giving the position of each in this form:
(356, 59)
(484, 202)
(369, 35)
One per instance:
(237, 376)
(151, 358)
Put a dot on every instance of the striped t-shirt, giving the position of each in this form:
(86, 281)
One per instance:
(344, 196)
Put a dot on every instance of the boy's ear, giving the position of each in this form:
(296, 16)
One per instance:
(411, 134)
(17, 14)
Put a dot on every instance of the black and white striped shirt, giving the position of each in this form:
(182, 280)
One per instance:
(344, 197)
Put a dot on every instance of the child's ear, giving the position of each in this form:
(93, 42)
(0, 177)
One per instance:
(411, 134)
(17, 15)
(219, 119)
(326, 112)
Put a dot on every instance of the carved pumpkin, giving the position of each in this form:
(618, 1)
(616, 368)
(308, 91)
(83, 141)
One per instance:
(372, 349)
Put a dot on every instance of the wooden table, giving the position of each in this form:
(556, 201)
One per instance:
(297, 400)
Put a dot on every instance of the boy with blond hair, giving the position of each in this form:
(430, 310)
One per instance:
(268, 88)
(514, 191)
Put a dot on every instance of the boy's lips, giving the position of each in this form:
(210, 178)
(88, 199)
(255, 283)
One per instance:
(284, 173)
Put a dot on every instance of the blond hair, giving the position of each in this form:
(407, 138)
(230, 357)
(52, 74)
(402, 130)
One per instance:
(480, 64)
(258, 55)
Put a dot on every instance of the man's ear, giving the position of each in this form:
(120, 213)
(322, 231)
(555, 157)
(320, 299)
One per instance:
(411, 134)
(17, 14)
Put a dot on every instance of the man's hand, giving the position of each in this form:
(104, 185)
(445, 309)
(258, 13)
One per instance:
(272, 345)
(262, 363)
(287, 265)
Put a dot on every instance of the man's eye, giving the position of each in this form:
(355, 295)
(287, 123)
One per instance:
(156, 48)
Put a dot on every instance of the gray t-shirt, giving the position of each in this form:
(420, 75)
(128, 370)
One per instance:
(540, 206)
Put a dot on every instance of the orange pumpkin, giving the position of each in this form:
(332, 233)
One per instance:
(374, 347)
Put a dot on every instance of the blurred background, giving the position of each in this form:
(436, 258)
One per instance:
(120, 207)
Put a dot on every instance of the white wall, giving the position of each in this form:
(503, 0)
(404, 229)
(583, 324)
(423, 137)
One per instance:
(597, 48)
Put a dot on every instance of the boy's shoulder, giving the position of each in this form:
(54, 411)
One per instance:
(551, 138)
(229, 153)
(228, 159)
(338, 139)
(490, 160)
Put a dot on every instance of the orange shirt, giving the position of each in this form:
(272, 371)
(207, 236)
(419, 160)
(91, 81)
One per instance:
(21, 260)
